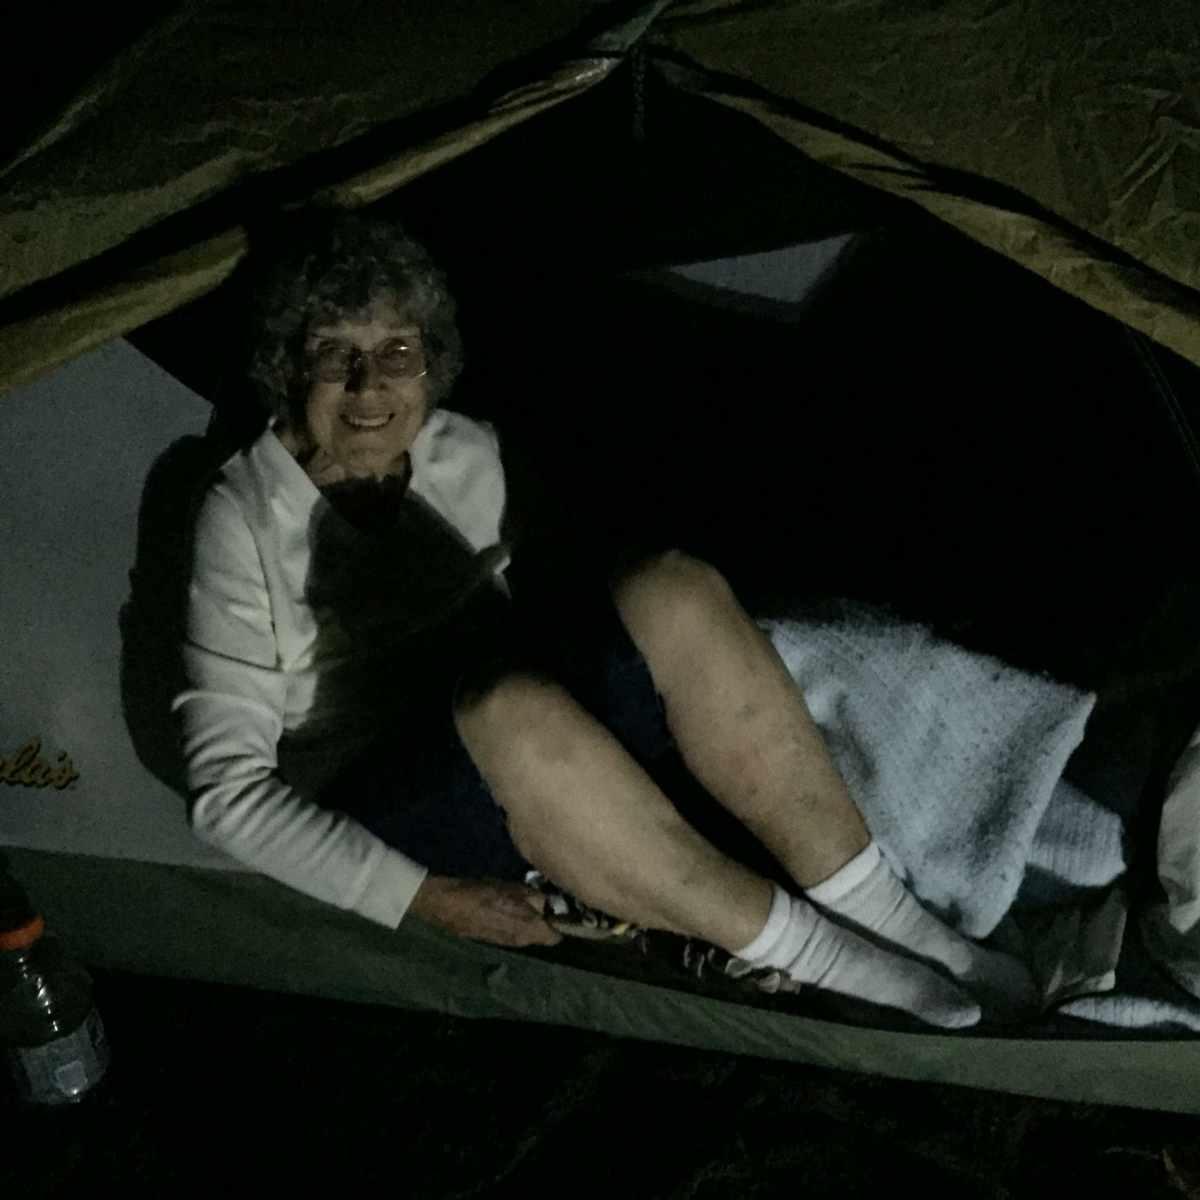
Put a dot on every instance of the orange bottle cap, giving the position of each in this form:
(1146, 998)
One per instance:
(14, 936)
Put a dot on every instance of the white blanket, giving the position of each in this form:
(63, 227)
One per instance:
(952, 756)
(956, 761)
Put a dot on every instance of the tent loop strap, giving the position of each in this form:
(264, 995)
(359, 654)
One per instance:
(637, 63)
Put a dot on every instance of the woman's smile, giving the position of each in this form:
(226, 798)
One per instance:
(361, 417)
(365, 423)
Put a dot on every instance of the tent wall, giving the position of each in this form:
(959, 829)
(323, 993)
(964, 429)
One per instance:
(91, 606)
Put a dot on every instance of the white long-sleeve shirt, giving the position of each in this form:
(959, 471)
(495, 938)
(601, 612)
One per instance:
(296, 629)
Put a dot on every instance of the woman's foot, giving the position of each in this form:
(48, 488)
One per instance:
(810, 948)
(865, 893)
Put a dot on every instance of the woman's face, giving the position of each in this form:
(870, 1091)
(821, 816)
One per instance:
(359, 427)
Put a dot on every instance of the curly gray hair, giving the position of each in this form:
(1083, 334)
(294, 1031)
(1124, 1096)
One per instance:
(331, 265)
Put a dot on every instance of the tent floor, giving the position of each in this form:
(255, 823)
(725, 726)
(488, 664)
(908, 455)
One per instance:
(235, 928)
(213, 1084)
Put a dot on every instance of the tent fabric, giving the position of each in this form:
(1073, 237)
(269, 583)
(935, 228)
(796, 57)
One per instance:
(1067, 256)
(1062, 135)
(1086, 109)
(1084, 114)
(229, 927)
(224, 93)
(93, 602)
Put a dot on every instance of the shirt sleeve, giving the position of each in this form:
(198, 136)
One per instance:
(231, 716)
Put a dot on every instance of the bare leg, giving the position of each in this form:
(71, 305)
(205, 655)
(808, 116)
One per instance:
(583, 812)
(745, 732)
(738, 718)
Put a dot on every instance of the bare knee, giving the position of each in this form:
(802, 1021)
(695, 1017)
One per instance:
(517, 718)
(529, 741)
(488, 697)
(670, 596)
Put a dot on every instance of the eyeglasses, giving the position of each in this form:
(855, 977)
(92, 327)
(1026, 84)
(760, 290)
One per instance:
(335, 362)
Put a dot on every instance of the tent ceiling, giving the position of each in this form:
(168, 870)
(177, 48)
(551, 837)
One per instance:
(223, 90)
(1089, 109)
(1060, 134)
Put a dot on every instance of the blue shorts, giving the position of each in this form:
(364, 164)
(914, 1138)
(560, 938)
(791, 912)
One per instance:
(416, 787)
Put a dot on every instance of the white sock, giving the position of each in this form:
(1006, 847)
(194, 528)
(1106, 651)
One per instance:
(866, 892)
(812, 949)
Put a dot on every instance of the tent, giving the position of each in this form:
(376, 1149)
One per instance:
(906, 290)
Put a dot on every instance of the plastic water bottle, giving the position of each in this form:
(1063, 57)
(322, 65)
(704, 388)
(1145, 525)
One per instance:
(50, 1033)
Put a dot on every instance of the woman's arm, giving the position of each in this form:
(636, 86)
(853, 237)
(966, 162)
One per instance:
(232, 718)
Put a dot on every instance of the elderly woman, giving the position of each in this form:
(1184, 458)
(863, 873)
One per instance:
(387, 714)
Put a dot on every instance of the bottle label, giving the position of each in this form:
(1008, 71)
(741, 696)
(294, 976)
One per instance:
(62, 1070)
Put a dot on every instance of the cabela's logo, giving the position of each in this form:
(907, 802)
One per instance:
(27, 767)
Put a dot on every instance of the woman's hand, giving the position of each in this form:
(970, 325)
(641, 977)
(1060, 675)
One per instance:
(484, 910)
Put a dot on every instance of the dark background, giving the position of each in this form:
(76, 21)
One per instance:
(219, 1090)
